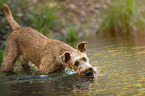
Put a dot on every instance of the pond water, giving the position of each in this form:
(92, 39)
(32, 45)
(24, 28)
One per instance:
(121, 66)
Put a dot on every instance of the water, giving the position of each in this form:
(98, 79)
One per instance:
(121, 65)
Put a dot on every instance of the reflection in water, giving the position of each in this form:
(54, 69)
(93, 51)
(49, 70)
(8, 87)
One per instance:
(121, 66)
(61, 86)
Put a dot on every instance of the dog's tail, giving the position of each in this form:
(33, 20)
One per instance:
(14, 25)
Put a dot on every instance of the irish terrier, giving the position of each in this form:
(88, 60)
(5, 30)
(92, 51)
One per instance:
(47, 54)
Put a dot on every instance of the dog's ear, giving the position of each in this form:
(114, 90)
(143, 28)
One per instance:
(82, 46)
(65, 56)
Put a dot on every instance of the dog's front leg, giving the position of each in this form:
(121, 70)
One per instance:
(49, 66)
(45, 68)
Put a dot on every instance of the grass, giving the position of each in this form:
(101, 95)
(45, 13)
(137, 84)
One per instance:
(43, 17)
(72, 33)
(2, 54)
(1, 2)
(122, 18)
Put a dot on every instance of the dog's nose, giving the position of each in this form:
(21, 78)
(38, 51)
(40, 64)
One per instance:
(89, 73)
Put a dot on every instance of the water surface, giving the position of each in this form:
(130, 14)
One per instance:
(121, 66)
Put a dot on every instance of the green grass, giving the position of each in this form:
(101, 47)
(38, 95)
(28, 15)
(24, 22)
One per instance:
(2, 54)
(1, 2)
(43, 18)
(72, 33)
(122, 18)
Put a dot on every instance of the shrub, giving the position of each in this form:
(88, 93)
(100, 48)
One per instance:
(122, 18)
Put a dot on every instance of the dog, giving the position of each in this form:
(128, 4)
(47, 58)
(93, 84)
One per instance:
(47, 54)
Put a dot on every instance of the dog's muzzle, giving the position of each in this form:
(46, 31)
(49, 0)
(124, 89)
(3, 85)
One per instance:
(91, 72)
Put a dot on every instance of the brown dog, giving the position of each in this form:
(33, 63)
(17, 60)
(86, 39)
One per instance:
(47, 54)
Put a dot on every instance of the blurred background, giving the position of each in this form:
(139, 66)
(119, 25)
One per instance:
(74, 20)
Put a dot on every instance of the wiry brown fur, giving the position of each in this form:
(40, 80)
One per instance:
(45, 53)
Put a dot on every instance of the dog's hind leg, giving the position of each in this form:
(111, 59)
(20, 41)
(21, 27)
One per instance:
(10, 56)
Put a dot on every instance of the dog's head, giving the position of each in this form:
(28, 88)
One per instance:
(79, 61)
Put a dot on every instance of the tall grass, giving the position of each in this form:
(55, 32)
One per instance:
(1, 2)
(122, 18)
(2, 54)
(72, 33)
(43, 18)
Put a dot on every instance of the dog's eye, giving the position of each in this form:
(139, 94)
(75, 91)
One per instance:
(84, 59)
(76, 63)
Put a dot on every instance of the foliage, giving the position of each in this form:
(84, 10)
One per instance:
(122, 18)
(1, 54)
(43, 18)
(2, 1)
(72, 33)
